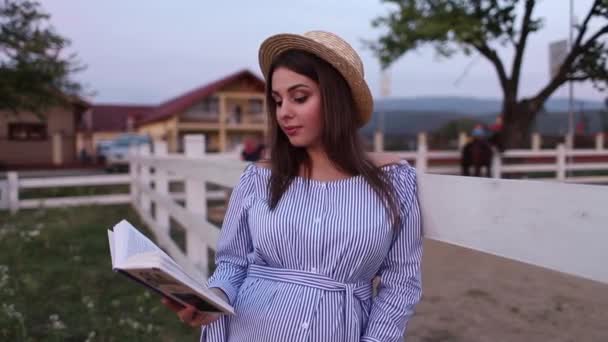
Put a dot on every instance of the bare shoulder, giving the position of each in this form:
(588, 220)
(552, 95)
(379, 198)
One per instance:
(381, 159)
(264, 163)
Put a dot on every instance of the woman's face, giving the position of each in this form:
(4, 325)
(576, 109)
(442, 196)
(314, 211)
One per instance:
(298, 107)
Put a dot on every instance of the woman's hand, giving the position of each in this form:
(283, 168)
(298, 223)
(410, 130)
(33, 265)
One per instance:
(190, 315)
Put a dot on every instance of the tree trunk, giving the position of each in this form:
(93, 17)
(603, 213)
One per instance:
(518, 118)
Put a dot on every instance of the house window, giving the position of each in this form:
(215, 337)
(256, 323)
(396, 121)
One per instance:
(256, 106)
(27, 131)
(210, 105)
(207, 109)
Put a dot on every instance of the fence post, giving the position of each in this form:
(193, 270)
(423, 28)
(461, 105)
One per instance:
(496, 165)
(133, 173)
(422, 153)
(536, 141)
(161, 187)
(462, 140)
(378, 141)
(569, 141)
(561, 162)
(196, 203)
(144, 170)
(422, 138)
(13, 192)
(599, 141)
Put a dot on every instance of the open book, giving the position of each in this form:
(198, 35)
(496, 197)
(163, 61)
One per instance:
(135, 256)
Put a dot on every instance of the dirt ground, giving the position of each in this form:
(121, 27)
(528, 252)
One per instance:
(472, 296)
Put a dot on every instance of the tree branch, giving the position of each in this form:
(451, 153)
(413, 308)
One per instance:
(492, 56)
(562, 75)
(520, 46)
(581, 33)
(578, 78)
(593, 38)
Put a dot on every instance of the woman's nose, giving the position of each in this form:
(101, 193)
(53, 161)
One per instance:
(284, 111)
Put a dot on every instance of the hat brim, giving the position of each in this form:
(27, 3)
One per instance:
(275, 45)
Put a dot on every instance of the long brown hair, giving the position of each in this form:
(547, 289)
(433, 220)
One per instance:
(340, 138)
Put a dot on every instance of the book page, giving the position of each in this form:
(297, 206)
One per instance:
(130, 242)
(111, 241)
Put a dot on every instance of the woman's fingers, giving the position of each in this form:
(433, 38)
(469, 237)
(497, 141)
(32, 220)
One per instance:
(189, 315)
(203, 318)
(172, 305)
(186, 314)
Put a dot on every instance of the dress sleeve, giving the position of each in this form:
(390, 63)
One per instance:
(234, 242)
(400, 285)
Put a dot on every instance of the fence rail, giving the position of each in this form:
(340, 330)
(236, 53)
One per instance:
(11, 188)
(519, 162)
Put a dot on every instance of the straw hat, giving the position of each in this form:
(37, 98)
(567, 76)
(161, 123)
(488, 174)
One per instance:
(333, 50)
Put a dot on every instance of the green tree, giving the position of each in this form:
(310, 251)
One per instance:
(479, 26)
(35, 68)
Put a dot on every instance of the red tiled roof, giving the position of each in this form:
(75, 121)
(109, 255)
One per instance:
(182, 102)
(113, 118)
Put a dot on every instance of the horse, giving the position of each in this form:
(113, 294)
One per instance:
(477, 153)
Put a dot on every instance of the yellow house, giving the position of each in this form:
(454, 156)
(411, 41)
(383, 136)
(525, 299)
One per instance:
(225, 111)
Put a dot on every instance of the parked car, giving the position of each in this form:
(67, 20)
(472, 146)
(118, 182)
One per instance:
(102, 148)
(116, 154)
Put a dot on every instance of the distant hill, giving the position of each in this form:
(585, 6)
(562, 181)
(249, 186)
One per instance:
(470, 105)
(412, 122)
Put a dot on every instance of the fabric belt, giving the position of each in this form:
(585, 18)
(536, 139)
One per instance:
(352, 291)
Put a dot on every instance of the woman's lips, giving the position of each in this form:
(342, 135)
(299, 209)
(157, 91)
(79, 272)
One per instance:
(292, 130)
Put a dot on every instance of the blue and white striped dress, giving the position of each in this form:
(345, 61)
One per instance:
(304, 271)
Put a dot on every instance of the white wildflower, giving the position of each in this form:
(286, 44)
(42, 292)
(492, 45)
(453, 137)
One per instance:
(56, 323)
(91, 336)
(3, 276)
(11, 312)
(131, 323)
(25, 236)
(88, 302)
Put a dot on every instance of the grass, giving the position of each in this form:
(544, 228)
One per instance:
(56, 282)
(73, 191)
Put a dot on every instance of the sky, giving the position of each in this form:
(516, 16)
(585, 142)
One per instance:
(146, 52)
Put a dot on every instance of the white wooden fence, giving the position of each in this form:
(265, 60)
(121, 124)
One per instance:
(150, 190)
(558, 226)
(10, 190)
(514, 162)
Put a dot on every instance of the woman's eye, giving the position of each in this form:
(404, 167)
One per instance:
(278, 103)
(301, 99)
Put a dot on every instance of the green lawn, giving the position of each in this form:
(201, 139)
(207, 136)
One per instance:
(56, 282)
(73, 191)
